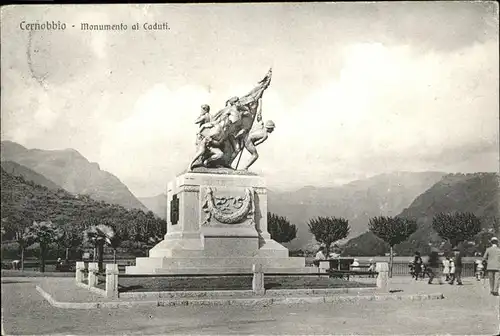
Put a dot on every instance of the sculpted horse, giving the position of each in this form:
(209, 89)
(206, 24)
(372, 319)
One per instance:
(219, 144)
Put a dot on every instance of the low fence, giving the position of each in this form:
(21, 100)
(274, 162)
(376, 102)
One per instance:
(88, 276)
(51, 265)
(401, 269)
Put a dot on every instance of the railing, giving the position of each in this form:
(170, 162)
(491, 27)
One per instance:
(400, 269)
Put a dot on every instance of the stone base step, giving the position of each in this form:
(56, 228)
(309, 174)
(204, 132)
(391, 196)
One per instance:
(215, 271)
(207, 265)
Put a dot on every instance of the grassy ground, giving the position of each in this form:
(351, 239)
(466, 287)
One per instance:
(156, 284)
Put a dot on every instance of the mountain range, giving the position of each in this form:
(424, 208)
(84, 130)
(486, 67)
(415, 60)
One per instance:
(71, 171)
(16, 169)
(157, 204)
(357, 201)
(24, 201)
(477, 193)
(418, 195)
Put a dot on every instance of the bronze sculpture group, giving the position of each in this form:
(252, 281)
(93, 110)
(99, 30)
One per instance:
(222, 137)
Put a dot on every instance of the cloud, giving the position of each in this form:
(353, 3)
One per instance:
(383, 87)
(159, 134)
(391, 109)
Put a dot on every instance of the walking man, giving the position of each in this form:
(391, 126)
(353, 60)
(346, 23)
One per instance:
(492, 257)
(435, 266)
(458, 265)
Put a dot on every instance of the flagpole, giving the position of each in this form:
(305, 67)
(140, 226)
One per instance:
(237, 163)
(253, 120)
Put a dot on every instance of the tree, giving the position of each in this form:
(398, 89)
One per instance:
(21, 240)
(23, 202)
(115, 242)
(43, 233)
(494, 225)
(71, 238)
(456, 227)
(98, 236)
(280, 228)
(328, 230)
(392, 230)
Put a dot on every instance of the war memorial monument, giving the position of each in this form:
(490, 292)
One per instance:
(216, 211)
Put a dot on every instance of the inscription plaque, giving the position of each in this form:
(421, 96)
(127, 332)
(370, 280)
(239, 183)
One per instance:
(174, 210)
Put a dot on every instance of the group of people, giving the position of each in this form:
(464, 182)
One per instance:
(355, 266)
(322, 254)
(450, 270)
(450, 267)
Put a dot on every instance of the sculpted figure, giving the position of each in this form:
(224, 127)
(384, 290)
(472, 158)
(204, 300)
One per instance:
(255, 138)
(223, 136)
(204, 120)
(235, 114)
(204, 115)
(210, 145)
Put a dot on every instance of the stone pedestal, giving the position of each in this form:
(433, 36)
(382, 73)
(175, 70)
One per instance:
(258, 280)
(92, 276)
(80, 268)
(383, 276)
(217, 223)
(111, 280)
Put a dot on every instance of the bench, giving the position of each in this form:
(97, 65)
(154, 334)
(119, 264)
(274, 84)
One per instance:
(347, 274)
(343, 266)
(336, 264)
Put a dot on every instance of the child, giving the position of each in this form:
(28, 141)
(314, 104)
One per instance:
(479, 270)
(355, 265)
(372, 267)
(452, 271)
(446, 268)
(417, 265)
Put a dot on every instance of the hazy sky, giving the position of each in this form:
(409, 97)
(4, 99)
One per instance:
(357, 90)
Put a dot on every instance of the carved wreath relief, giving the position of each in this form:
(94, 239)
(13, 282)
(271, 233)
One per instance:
(228, 209)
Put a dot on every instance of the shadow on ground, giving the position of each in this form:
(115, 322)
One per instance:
(6, 282)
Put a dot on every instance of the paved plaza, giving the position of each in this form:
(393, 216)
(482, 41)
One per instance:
(466, 310)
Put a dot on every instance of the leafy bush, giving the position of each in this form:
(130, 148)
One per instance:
(328, 230)
(456, 227)
(280, 228)
(10, 250)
